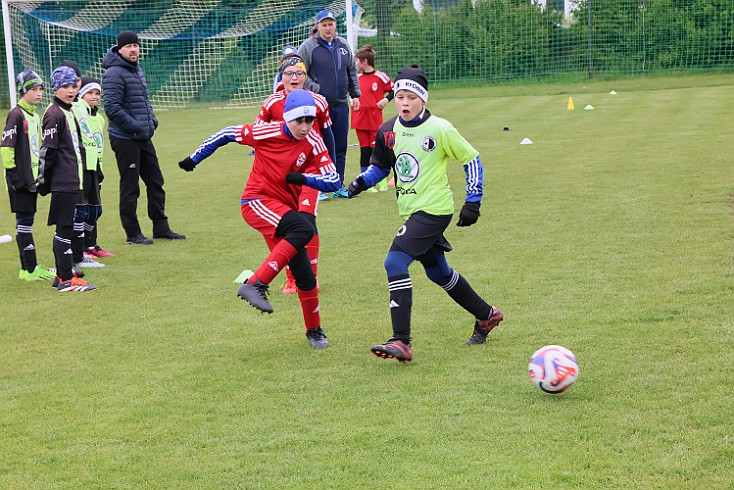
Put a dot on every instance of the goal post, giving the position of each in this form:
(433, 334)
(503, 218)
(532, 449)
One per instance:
(208, 53)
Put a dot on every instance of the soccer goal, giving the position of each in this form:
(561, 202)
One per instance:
(194, 52)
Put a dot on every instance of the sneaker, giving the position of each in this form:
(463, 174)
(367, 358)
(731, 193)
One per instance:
(98, 252)
(324, 197)
(394, 349)
(382, 185)
(483, 327)
(317, 338)
(38, 274)
(88, 255)
(371, 189)
(289, 287)
(256, 294)
(139, 239)
(75, 285)
(340, 194)
(88, 263)
(169, 235)
(77, 273)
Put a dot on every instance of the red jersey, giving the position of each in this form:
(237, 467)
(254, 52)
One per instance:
(276, 154)
(272, 110)
(374, 86)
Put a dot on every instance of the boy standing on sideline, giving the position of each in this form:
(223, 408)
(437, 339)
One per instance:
(288, 155)
(417, 146)
(19, 150)
(374, 86)
(293, 75)
(92, 126)
(60, 172)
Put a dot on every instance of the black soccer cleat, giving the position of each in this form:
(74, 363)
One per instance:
(394, 349)
(483, 327)
(256, 294)
(317, 338)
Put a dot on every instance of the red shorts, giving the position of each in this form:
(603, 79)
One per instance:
(366, 137)
(308, 200)
(264, 215)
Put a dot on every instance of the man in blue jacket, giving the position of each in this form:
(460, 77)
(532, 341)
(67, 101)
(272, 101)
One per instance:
(330, 64)
(131, 127)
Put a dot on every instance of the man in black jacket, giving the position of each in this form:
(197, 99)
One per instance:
(131, 127)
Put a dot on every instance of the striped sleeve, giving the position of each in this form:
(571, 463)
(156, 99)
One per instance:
(215, 141)
(474, 180)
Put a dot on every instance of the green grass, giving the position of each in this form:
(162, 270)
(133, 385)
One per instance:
(612, 235)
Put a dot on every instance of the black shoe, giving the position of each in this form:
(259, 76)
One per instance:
(394, 349)
(169, 235)
(138, 239)
(317, 338)
(256, 294)
(483, 327)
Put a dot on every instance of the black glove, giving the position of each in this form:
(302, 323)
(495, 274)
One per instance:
(469, 214)
(295, 178)
(187, 164)
(100, 175)
(357, 186)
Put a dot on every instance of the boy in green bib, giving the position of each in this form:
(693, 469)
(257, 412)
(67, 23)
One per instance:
(20, 144)
(417, 146)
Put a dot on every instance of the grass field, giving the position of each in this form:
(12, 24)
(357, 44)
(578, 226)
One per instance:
(611, 235)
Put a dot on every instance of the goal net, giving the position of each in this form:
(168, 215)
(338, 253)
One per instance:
(224, 53)
(194, 52)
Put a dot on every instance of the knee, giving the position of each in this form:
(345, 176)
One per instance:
(299, 232)
(24, 219)
(397, 263)
(439, 275)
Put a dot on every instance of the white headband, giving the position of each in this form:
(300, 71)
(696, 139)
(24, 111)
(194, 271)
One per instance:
(301, 111)
(88, 87)
(413, 86)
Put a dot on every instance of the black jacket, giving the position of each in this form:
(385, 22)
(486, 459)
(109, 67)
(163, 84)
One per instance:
(126, 101)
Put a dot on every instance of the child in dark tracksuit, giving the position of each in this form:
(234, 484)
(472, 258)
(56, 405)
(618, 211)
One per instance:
(60, 172)
(20, 160)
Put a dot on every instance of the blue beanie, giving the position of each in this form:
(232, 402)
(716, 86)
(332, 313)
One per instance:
(63, 75)
(299, 103)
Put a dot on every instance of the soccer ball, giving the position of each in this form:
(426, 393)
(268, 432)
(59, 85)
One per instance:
(553, 369)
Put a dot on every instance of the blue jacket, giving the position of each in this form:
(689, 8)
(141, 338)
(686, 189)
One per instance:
(333, 68)
(126, 101)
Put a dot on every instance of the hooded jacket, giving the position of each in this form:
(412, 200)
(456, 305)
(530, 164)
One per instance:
(126, 101)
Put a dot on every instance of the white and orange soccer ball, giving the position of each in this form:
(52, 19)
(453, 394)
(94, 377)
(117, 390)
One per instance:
(553, 369)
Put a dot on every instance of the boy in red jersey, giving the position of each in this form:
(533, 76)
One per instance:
(288, 155)
(293, 75)
(376, 88)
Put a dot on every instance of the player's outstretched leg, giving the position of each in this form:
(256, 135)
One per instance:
(256, 294)
(394, 349)
(483, 327)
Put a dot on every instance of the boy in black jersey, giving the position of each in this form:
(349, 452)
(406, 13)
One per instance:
(60, 170)
(20, 159)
